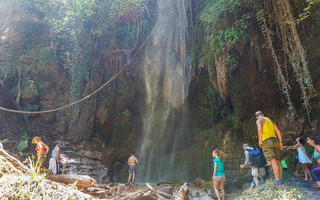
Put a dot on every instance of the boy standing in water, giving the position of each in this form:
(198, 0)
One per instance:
(132, 162)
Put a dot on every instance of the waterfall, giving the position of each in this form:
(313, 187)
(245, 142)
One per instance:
(167, 74)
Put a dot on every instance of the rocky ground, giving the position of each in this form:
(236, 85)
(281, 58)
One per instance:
(289, 191)
(18, 181)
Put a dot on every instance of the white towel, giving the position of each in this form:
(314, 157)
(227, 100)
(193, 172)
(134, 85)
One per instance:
(54, 165)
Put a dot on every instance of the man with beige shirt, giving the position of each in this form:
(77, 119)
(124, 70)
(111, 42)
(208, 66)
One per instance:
(133, 164)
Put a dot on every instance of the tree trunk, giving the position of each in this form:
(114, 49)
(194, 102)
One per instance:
(19, 88)
(82, 181)
(14, 161)
(17, 107)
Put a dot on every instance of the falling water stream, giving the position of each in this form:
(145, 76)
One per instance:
(167, 77)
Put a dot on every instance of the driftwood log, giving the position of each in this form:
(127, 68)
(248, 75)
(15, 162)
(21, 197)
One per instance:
(82, 181)
(168, 189)
(14, 161)
(198, 182)
(182, 193)
(159, 194)
(97, 192)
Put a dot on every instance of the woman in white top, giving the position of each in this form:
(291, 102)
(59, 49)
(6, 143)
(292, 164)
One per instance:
(303, 158)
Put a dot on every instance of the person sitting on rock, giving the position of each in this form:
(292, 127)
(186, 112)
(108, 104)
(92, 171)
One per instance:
(133, 164)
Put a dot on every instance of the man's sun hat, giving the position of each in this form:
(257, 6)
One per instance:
(245, 145)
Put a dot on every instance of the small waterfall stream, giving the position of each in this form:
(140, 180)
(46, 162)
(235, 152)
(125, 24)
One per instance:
(167, 74)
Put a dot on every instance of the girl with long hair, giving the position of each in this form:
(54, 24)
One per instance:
(42, 150)
(314, 142)
(219, 177)
(303, 158)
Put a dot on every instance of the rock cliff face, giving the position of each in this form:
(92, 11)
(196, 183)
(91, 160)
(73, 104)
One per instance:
(98, 135)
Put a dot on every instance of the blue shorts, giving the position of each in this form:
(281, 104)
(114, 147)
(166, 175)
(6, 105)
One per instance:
(315, 173)
(132, 169)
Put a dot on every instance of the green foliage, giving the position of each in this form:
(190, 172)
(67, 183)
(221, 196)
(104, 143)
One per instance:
(211, 64)
(69, 34)
(232, 62)
(29, 87)
(306, 11)
(214, 9)
(42, 86)
(126, 114)
(80, 73)
(34, 166)
(219, 36)
(126, 8)
(233, 122)
(224, 25)
(48, 56)
(30, 107)
(210, 107)
(23, 144)
(230, 36)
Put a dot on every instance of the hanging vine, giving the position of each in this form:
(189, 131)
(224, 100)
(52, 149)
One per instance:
(277, 13)
(306, 11)
(221, 36)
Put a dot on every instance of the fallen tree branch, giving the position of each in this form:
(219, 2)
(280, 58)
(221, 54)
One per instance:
(14, 161)
(160, 195)
(82, 181)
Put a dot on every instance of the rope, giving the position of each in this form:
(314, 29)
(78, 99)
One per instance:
(86, 97)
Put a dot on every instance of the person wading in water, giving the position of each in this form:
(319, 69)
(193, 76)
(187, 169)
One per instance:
(133, 164)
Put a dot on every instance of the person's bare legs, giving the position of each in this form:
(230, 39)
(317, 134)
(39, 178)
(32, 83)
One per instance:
(223, 193)
(216, 188)
(133, 177)
(306, 172)
(129, 177)
(256, 180)
(280, 170)
(262, 179)
(275, 168)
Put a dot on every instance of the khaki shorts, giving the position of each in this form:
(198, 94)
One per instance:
(220, 178)
(42, 159)
(258, 172)
(271, 149)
